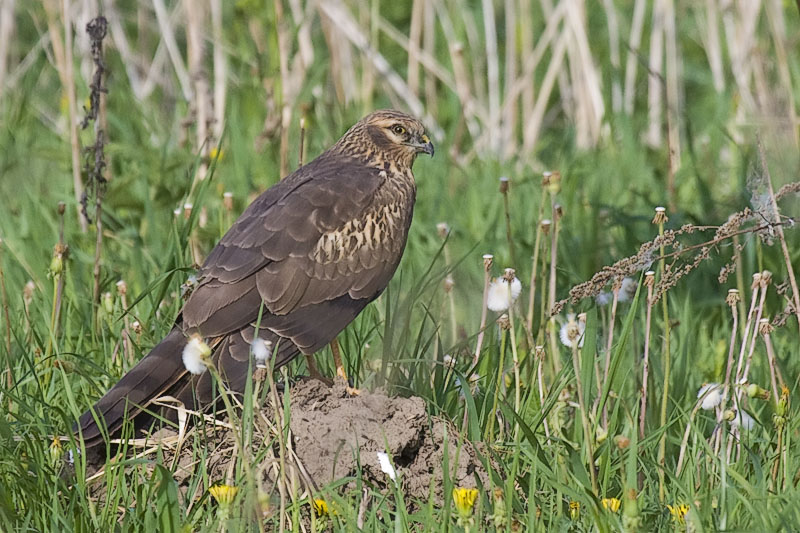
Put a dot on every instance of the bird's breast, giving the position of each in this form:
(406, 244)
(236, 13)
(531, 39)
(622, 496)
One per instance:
(382, 227)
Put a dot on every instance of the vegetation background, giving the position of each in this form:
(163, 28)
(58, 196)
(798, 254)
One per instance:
(689, 105)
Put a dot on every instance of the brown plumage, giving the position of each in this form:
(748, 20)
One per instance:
(315, 248)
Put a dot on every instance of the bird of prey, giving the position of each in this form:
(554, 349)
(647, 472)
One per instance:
(301, 263)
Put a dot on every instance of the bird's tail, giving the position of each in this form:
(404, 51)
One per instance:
(159, 371)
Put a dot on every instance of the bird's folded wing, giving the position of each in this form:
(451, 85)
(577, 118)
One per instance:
(316, 236)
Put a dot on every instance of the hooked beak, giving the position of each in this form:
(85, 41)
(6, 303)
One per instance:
(424, 145)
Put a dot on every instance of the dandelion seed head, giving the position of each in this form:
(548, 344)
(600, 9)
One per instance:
(262, 351)
(503, 293)
(711, 395)
(571, 332)
(195, 355)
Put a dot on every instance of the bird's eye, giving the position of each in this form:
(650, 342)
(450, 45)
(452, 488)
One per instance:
(398, 129)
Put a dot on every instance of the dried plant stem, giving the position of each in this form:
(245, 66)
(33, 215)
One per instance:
(733, 301)
(685, 440)
(540, 354)
(7, 320)
(504, 191)
(779, 232)
(487, 266)
(499, 386)
(588, 434)
(534, 265)
(765, 332)
(667, 355)
(302, 143)
(748, 325)
(764, 282)
(649, 282)
(552, 285)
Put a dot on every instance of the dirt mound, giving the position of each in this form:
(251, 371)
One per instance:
(333, 433)
(336, 436)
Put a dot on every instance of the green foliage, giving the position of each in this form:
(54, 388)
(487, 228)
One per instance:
(538, 455)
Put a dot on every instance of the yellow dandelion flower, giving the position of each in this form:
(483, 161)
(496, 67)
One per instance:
(223, 494)
(678, 512)
(611, 504)
(216, 154)
(320, 507)
(465, 500)
(574, 510)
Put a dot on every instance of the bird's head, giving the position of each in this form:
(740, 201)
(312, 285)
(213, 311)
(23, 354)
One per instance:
(388, 134)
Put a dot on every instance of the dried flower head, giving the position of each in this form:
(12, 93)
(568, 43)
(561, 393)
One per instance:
(443, 229)
(122, 287)
(764, 327)
(733, 297)
(196, 354)
(503, 185)
(487, 261)
(545, 224)
(449, 283)
(227, 201)
(187, 210)
(660, 216)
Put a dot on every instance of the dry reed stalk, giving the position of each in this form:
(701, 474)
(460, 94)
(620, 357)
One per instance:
(429, 49)
(674, 106)
(425, 57)
(613, 42)
(524, 83)
(168, 37)
(492, 74)
(195, 52)
(7, 27)
(286, 84)
(585, 78)
(350, 31)
(62, 50)
(649, 281)
(632, 61)
(526, 36)
(220, 69)
(777, 25)
(534, 122)
(509, 111)
(655, 75)
(130, 62)
(414, 38)
(713, 48)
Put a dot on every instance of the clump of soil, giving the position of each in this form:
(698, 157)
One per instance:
(334, 432)
(335, 435)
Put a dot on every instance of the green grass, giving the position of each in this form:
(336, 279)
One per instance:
(607, 193)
